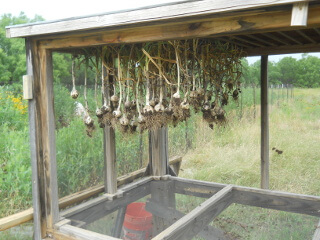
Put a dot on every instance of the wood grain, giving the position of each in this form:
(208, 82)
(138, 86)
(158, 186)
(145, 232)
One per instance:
(224, 26)
(146, 15)
(299, 14)
(192, 223)
(264, 123)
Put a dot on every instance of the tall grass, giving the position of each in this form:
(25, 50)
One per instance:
(231, 154)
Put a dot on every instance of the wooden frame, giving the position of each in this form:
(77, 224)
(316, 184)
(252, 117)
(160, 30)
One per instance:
(256, 27)
(220, 196)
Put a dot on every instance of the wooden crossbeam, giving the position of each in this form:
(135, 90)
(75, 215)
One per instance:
(290, 38)
(306, 36)
(270, 35)
(172, 215)
(83, 234)
(283, 201)
(192, 223)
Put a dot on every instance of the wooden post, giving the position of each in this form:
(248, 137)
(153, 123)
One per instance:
(264, 124)
(33, 149)
(109, 148)
(158, 162)
(158, 151)
(42, 140)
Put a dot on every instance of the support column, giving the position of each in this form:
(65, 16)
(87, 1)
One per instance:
(33, 149)
(264, 124)
(109, 148)
(42, 140)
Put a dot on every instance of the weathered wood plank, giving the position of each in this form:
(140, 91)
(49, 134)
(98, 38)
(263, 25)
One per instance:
(224, 26)
(171, 11)
(283, 201)
(172, 215)
(192, 223)
(306, 48)
(158, 147)
(316, 235)
(195, 187)
(119, 222)
(80, 233)
(34, 150)
(110, 170)
(299, 14)
(264, 123)
(27, 215)
(288, 202)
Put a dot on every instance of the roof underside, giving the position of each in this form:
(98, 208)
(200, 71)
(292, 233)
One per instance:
(259, 27)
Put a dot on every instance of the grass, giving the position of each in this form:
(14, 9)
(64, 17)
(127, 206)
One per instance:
(227, 154)
(232, 155)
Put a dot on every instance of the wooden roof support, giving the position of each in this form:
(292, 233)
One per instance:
(306, 36)
(225, 39)
(271, 36)
(317, 31)
(261, 40)
(240, 38)
(264, 124)
(195, 8)
(290, 38)
(299, 14)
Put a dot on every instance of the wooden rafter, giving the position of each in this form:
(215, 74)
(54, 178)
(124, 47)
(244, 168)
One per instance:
(261, 40)
(306, 36)
(290, 38)
(271, 36)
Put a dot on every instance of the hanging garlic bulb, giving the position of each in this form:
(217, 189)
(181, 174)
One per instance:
(74, 93)
(148, 109)
(176, 95)
(117, 113)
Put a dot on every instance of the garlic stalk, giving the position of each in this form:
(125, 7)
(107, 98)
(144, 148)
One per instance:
(74, 93)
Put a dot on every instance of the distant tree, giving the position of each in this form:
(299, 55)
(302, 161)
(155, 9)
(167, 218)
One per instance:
(288, 70)
(12, 51)
(308, 72)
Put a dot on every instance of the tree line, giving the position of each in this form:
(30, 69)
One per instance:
(304, 73)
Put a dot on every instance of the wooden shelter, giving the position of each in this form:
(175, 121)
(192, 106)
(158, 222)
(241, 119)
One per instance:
(260, 28)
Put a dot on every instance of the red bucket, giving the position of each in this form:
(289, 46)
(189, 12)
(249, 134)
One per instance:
(137, 223)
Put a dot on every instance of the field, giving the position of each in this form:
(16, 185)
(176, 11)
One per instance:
(227, 154)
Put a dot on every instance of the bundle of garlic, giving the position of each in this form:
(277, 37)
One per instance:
(147, 86)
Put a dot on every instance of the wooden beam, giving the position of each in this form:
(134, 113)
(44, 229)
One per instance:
(27, 215)
(270, 35)
(23, 216)
(192, 223)
(158, 151)
(172, 215)
(195, 187)
(299, 14)
(306, 36)
(240, 38)
(110, 170)
(283, 201)
(224, 26)
(168, 12)
(264, 124)
(261, 40)
(284, 50)
(80, 233)
(316, 235)
(290, 38)
(288, 202)
(317, 31)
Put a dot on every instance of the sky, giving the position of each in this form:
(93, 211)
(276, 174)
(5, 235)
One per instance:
(59, 9)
